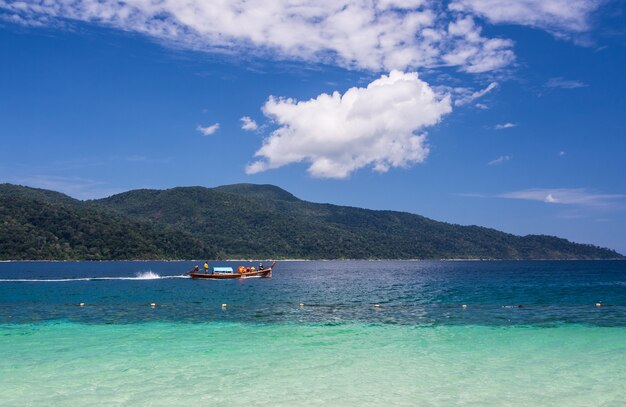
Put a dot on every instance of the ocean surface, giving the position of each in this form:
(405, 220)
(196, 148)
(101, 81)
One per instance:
(332, 333)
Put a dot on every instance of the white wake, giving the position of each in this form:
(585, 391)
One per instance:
(146, 275)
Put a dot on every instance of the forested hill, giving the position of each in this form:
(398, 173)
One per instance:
(36, 224)
(245, 221)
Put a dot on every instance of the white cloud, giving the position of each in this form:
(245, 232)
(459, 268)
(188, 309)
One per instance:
(363, 34)
(339, 134)
(566, 196)
(561, 17)
(565, 83)
(248, 124)
(207, 131)
(481, 106)
(467, 96)
(505, 126)
(499, 160)
(473, 52)
(561, 153)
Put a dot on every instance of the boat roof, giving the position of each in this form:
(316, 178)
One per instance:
(223, 269)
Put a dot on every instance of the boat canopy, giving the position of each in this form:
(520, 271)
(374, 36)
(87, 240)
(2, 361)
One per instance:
(222, 269)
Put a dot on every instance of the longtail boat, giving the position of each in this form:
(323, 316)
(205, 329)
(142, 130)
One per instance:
(228, 273)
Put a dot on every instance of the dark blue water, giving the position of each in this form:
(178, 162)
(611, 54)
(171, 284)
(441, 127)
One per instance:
(541, 293)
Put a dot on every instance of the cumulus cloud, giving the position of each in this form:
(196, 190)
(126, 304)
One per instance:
(363, 34)
(467, 96)
(565, 83)
(207, 131)
(499, 160)
(505, 126)
(561, 17)
(248, 124)
(338, 134)
(566, 196)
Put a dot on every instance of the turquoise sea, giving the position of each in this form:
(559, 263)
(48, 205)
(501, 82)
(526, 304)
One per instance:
(530, 334)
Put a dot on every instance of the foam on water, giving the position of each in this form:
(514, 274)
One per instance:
(146, 275)
(226, 364)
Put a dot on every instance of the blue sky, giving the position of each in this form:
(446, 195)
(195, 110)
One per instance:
(485, 112)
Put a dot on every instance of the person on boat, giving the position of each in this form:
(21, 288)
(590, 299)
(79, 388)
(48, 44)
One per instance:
(196, 269)
(241, 269)
(206, 267)
(261, 268)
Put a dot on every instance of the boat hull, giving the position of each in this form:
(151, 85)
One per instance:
(230, 276)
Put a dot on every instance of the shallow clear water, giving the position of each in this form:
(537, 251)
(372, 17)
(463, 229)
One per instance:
(420, 347)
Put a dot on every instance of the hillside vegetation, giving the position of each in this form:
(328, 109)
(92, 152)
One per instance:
(42, 225)
(245, 221)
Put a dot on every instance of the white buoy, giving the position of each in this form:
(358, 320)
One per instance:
(464, 305)
(598, 304)
(224, 305)
(301, 305)
(82, 304)
(376, 305)
(152, 305)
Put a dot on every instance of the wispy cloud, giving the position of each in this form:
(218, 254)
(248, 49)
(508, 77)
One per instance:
(566, 196)
(505, 126)
(481, 106)
(467, 96)
(561, 153)
(563, 18)
(207, 131)
(499, 160)
(565, 83)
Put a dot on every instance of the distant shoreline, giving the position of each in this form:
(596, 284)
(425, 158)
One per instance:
(293, 260)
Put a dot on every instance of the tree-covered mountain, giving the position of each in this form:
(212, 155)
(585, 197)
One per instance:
(245, 221)
(36, 224)
(263, 221)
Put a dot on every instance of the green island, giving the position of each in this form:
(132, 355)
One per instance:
(245, 221)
